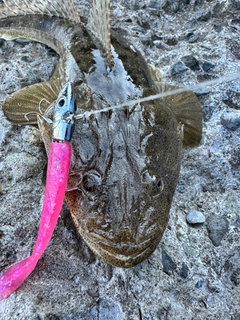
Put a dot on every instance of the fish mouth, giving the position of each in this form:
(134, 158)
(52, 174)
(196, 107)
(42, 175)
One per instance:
(125, 255)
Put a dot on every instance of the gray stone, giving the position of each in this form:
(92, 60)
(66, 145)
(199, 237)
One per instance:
(207, 66)
(184, 272)
(202, 91)
(195, 217)
(178, 67)
(217, 227)
(231, 120)
(191, 62)
(168, 264)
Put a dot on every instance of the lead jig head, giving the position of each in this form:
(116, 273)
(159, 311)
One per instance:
(64, 110)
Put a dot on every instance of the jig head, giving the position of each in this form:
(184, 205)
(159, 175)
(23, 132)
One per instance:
(64, 111)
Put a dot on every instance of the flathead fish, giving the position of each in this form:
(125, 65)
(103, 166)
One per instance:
(130, 157)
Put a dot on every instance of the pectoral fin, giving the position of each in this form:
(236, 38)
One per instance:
(187, 110)
(22, 107)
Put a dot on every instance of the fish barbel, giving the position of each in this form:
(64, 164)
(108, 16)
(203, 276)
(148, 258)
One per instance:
(130, 157)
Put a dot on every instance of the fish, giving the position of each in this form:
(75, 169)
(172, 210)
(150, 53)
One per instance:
(129, 157)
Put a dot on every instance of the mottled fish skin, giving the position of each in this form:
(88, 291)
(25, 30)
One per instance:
(129, 158)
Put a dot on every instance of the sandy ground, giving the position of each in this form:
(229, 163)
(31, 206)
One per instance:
(195, 271)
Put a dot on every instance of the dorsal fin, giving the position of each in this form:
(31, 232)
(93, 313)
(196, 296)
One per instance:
(99, 24)
(59, 8)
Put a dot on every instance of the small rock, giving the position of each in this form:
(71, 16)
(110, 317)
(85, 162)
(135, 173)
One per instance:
(201, 91)
(217, 28)
(191, 62)
(171, 41)
(109, 310)
(203, 15)
(168, 264)
(217, 227)
(207, 66)
(195, 217)
(184, 272)
(231, 120)
(26, 59)
(232, 98)
(177, 68)
(191, 37)
(205, 77)
(200, 284)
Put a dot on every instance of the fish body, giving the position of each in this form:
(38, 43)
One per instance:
(129, 158)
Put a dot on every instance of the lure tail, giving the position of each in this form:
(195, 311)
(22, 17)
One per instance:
(59, 160)
(57, 176)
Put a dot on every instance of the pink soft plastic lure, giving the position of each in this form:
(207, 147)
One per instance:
(59, 161)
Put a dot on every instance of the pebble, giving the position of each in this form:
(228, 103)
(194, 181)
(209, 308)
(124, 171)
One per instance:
(217, 28)
(177, 68)
(207, 66)
(231, 120)
(201, 91)
(203, 15)
(191, 62)
(200, 284)
(195, 217)
(217, 227)
(191, 37)
(184, 272)
(109, 310)
(168, 264)
(232, 98)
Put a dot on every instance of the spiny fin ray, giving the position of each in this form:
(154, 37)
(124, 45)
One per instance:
(59, 8)
(22, 107)
(99, 25)
(187, 110)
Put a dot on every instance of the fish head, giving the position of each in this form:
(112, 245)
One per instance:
(129, 161)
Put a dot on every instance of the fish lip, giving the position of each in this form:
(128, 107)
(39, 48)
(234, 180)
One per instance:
(131, 257)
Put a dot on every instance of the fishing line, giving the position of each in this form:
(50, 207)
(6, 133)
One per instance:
(227, 78)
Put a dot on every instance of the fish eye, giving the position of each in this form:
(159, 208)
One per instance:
(91, 181)
(61, 102)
